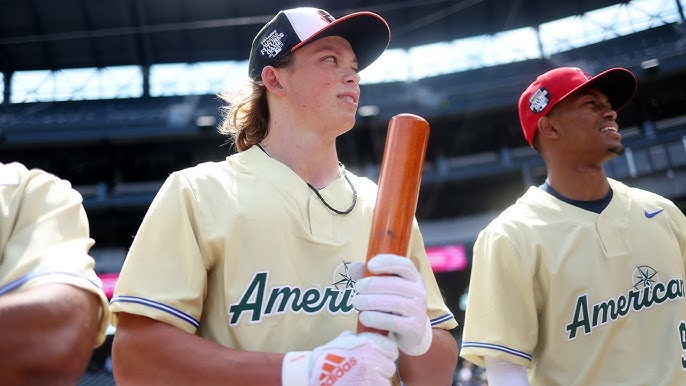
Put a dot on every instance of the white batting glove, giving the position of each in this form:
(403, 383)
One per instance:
(395, 303)
(347, 360)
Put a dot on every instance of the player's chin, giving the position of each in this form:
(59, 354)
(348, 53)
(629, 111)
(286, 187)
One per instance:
(347, 118)
(616, 149)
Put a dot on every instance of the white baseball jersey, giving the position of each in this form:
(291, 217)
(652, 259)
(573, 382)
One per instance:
(243, 253)
(44, 235)
(582, 298)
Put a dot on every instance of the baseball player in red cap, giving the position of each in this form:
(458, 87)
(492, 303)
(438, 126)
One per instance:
(581, 281)
(246, 271)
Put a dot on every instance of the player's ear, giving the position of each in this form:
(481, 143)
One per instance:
(270, 78)
(546, 128)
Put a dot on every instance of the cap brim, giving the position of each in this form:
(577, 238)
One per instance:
(618, 84)
(367, 33)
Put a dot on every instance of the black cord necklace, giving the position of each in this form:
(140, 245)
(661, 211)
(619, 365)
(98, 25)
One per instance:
(316, 191)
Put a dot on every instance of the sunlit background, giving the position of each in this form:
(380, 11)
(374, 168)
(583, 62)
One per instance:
(394, 65)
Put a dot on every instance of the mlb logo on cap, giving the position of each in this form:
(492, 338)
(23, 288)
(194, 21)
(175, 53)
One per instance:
(539, 101)
(272, 44)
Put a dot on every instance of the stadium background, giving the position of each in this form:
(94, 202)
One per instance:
(117, 151)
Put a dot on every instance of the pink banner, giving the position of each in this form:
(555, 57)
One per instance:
(108, 282)
(447, 258)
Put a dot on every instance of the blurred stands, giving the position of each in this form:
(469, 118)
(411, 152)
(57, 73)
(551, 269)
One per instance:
(454, 93)
(97, 120)
(667, 42)
(117, 152)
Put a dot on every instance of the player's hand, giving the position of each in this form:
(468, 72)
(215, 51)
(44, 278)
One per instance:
(347, 360)
(395, 303)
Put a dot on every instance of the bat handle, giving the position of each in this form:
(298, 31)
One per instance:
(362, 328)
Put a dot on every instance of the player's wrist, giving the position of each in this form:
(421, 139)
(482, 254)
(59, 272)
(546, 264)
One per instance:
(295, 368)
(423, 345)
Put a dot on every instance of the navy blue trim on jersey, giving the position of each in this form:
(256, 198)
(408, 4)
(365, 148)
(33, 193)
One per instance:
(441, 319)
(595, 206)
(11, 286)
(497, 347)
(157, 305)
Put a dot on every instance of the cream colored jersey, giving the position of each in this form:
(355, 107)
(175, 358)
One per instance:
(582, 298)
(243, 253)
(44, 235)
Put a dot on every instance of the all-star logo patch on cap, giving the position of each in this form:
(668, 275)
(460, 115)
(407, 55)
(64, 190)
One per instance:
(367, 33)
(549, 89)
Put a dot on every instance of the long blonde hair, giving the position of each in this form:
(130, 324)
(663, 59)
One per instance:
(245, 117)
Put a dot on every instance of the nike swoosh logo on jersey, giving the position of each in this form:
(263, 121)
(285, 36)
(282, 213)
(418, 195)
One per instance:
(652, 214)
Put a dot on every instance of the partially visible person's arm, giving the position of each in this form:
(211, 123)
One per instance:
(47, 334)
(504, 373)
(435, 367)
(149, 352)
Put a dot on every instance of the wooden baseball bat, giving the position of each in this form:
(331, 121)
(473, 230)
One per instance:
(399, 180)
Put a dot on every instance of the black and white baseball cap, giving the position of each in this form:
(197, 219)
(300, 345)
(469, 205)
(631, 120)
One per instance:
(367, 33)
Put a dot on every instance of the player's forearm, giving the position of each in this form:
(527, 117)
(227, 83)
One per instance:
(436, 367)
(148, 352)
(47, 334)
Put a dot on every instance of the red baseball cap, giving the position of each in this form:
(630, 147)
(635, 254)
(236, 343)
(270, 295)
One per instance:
(549, 89)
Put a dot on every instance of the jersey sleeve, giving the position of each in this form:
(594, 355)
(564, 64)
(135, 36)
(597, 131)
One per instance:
(164, 274)
(45, 236)
(679, 229)
(501, 316)
(438, 312)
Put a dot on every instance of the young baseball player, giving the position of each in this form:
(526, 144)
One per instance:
(247, 271)
(53, 310)
(581, 281)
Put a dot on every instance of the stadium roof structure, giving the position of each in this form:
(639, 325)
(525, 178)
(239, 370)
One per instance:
(54, 35)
